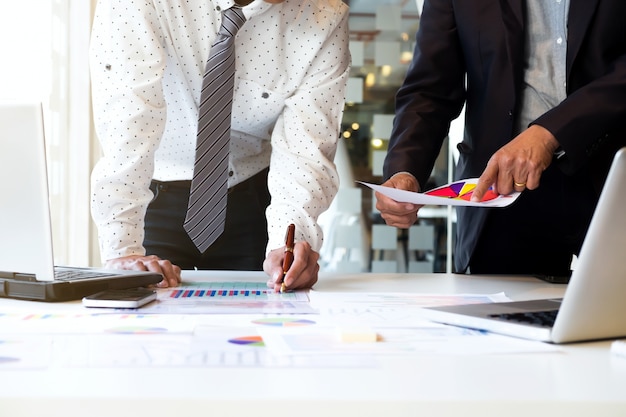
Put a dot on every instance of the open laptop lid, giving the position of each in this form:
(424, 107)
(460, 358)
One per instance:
(26, 243)
(594, 304)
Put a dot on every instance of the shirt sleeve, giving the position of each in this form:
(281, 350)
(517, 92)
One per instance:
(303, 179)
(126, 65)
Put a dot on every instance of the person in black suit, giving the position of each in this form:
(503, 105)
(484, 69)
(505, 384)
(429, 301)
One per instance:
(544, 88)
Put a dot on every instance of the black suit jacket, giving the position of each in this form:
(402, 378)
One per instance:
(471, 52)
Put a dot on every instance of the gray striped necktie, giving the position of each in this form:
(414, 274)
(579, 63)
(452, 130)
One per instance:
(206, 211)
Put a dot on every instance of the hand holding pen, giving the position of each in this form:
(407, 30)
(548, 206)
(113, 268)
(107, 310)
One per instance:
(297, 260)
(288, 256)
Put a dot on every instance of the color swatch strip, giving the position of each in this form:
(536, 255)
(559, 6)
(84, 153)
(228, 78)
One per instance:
(218, 293)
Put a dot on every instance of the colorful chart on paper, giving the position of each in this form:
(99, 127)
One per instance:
(248, 341)
(237, 297)
(283, 322)
(462, 190)
(229, 291)
(195, 292)
(458, 193)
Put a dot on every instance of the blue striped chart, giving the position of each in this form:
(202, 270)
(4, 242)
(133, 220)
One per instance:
(200, 293)
(233, 290)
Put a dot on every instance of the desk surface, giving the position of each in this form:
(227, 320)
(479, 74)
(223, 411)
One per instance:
(583, 379)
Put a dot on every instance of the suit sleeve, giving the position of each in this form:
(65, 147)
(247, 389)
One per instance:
(431, 96)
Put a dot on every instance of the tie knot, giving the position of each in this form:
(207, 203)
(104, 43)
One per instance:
(232, 20)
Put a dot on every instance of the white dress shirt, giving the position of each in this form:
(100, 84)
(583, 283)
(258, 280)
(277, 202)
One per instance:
(147, 59)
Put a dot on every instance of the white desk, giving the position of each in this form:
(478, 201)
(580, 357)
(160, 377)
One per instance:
(584, 380)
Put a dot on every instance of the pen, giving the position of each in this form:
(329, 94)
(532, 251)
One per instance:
(288, 259)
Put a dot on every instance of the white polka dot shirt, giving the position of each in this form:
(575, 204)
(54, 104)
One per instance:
(147, 59)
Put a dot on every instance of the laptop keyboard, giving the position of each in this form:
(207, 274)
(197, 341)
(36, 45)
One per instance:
(536, 318)
(65, 274)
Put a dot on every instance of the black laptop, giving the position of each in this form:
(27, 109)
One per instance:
(27, 268)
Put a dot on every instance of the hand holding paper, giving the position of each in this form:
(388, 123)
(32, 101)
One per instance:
(457, 193)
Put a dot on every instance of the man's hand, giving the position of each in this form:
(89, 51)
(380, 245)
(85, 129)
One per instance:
(401, 215)
(518, 164)
(170, 272)
(303, 271)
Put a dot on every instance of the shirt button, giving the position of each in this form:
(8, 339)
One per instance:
(559, 40)
(218, 8)
(265, 95)
(231, 173)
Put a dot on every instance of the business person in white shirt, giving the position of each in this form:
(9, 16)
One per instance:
(147, 60)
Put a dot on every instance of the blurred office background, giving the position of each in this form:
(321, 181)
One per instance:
(45, 46)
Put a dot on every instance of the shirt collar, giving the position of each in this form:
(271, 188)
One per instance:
(252, 9)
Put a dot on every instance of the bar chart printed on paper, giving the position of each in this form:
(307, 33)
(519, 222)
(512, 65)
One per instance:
(229, 298)
(228, 291)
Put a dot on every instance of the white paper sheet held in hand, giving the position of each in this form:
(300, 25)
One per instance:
(456, 193)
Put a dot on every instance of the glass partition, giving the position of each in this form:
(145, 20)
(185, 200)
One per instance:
(382, 38)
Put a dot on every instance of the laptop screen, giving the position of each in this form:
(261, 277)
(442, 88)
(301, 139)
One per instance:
(26, 244)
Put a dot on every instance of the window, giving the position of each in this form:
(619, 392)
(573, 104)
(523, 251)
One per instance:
(382, 37)
(46, 61)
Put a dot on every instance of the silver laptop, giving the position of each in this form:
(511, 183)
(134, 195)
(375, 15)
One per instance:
(594, 303)
(26, 260)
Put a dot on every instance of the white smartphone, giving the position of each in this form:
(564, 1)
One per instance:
(128, 298)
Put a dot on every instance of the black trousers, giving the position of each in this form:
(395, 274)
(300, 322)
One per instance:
(539, 233)
(240, 247)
